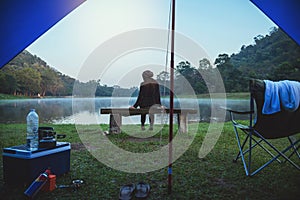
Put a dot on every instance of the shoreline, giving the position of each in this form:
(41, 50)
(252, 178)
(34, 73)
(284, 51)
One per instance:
(236, 95)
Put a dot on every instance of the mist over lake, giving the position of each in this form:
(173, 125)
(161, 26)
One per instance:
(67, 110)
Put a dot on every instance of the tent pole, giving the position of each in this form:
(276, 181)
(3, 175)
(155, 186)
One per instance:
(171, 100)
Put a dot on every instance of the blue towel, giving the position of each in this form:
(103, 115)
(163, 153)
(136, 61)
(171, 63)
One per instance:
(282, 93)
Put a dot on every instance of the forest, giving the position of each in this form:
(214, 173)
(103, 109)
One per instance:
(274, 56)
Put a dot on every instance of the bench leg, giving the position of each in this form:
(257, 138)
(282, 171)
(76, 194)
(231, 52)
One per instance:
(115, 123)
(182, 123)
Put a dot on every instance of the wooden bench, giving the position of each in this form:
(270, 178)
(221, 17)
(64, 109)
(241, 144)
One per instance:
(116, 114)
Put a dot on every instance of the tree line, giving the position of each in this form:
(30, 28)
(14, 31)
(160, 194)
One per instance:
(274, 56)
(29, 75)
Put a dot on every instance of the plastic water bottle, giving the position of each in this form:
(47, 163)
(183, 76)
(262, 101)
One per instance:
(32, 130)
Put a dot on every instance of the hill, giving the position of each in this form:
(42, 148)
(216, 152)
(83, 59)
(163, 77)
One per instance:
(271, 54)
(274, 56)
(29, 75)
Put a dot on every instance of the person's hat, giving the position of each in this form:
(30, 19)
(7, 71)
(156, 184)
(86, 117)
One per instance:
(147, 74)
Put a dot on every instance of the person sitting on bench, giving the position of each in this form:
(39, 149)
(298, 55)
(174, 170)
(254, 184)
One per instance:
(149, 95)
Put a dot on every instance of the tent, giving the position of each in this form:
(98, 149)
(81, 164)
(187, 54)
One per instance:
(22, 22)
(284, 13)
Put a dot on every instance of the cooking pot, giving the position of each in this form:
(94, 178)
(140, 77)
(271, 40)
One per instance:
(47, 137)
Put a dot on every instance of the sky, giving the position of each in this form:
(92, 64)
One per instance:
(217, 26)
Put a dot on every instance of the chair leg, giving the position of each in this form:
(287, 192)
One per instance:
(241, 152)
(280, 153)
(257, 142)
(242, 147)
(295, 148)
(265, 149)
(270, 161)
(253, 142)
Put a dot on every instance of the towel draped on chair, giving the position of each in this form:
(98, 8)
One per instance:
(282, 94)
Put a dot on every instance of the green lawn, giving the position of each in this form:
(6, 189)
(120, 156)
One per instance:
(8, 96)
(212, 177)
(236, 95)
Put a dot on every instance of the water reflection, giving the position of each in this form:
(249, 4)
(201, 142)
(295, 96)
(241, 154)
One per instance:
(60, 110)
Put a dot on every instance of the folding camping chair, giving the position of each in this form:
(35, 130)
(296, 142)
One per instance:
(262, 128)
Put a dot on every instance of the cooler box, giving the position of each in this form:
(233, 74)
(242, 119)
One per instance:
(21, 167)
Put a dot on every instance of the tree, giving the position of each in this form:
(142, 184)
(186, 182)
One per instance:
(222, 59)
(209, 75)
(50, 82)
(258, 38)
(232, 79)
(204, 64)
(8, 83)
(285, 70)
(187, 74)
(163, 76)
(29, 81)
(68, 84)
(163, 79)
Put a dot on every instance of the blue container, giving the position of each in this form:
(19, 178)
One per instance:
(21, 166)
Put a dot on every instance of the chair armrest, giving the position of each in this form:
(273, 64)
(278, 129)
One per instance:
(235, 123)
(238, 112)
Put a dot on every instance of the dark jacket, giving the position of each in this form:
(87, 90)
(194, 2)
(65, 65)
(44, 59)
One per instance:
(148, 95)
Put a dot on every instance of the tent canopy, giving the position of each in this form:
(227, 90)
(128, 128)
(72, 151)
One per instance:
(23, 21)
(284, 13)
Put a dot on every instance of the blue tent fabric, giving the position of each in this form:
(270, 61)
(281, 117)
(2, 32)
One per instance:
(284, 13)
(23, 21)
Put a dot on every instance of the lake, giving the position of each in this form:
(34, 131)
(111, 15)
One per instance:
(67, 110)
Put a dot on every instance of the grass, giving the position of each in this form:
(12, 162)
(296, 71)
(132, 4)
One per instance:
(8, 96)
(233, 95)
(236, 95)
(212, 177)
